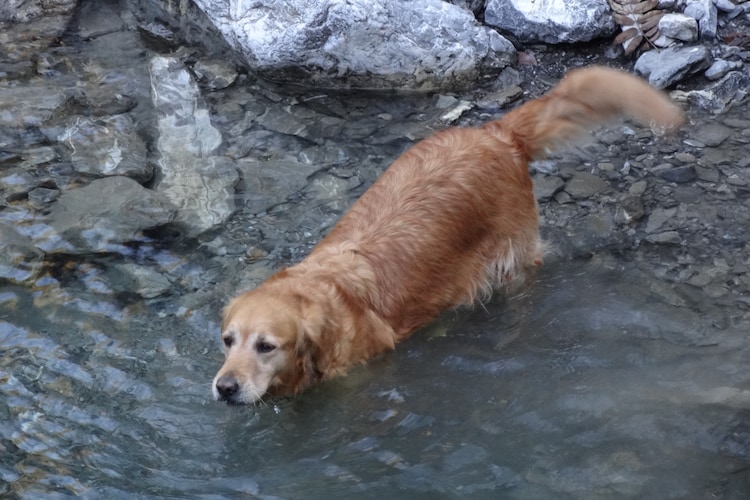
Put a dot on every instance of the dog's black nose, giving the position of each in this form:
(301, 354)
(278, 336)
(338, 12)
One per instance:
(227, 387)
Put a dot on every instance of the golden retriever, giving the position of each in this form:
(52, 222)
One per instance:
(450, 219)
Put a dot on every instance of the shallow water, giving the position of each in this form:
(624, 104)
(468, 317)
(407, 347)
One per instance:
(619, 370)
(580, 386)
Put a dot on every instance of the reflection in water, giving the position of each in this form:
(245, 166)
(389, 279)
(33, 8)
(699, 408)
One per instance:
(562, 389)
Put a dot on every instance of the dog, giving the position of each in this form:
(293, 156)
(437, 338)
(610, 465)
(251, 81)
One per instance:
(451, 219)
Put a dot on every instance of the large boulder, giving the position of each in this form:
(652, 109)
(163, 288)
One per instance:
(551, 21)
(420, 44)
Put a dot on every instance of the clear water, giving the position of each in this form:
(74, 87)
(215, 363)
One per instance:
(581, 386)
(602, 377)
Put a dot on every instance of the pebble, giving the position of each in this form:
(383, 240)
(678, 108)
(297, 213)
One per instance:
(665, 238)
(679, 175)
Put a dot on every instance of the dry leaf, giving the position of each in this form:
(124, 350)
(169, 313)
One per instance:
(639, 21)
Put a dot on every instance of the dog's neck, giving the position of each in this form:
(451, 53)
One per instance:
(358, 332)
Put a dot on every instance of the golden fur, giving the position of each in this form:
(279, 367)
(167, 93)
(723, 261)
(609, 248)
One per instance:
(451, 218)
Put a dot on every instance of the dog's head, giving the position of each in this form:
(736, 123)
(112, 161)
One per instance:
(270, 344)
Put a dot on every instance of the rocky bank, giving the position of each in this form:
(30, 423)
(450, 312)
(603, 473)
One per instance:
(145, 137)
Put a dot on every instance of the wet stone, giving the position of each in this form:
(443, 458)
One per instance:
(631, 209)
(30, 104)
(41, 197)
(215, 75)
(15, 183)
(546, 186)
(638, 188)
(106, 213)
(666, 67)
(713, 134)
(265, 184)
(138, 279)
(679, 175)
(21, 263)
(665, 238)
(707, 174)
(585, 185)
(106, 146)
(658, 218)
(592, 233)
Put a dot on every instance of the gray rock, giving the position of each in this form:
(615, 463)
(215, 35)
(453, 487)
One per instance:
(215, 75)
(422, 44)
(547, 186)
(630, 209)
(721, 67)
(21, 263)
(30, 104)
(658, 218)
(592, 233)
(719, 96)
(103, 215)
(41, 197)
(665, 238)
(106, 146)
(553, 21)
(679, 27)
(704, 11)
(190, 173)
(725, 5)
(679, 175)
(15, 183)
(28, 26)
(267, 183)
(584, 185)
(666, 67)
(712, 134)
(141, 280)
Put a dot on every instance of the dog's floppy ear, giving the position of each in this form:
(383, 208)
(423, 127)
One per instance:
(307, 356)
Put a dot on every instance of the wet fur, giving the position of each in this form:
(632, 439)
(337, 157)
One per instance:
(450, 219)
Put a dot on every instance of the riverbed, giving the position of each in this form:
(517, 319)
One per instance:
(620, 369)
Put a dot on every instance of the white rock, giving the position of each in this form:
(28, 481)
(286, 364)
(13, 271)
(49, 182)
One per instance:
(679, 27)
(551, 21)
(704, 11)
(421, 44)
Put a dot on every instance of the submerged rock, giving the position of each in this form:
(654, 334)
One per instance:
(191, 175)
(106, 213)
(554, 21)
(29, 26)
(422, 44)
(20, 261)
(106, 146)
(29, 104)
(266, 183)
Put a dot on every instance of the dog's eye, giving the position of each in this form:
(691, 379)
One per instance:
(228, 341)
(264, 347)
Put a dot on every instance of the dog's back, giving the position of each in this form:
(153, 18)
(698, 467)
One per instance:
(455, 215)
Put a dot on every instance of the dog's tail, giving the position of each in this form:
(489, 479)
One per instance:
(584, 98)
